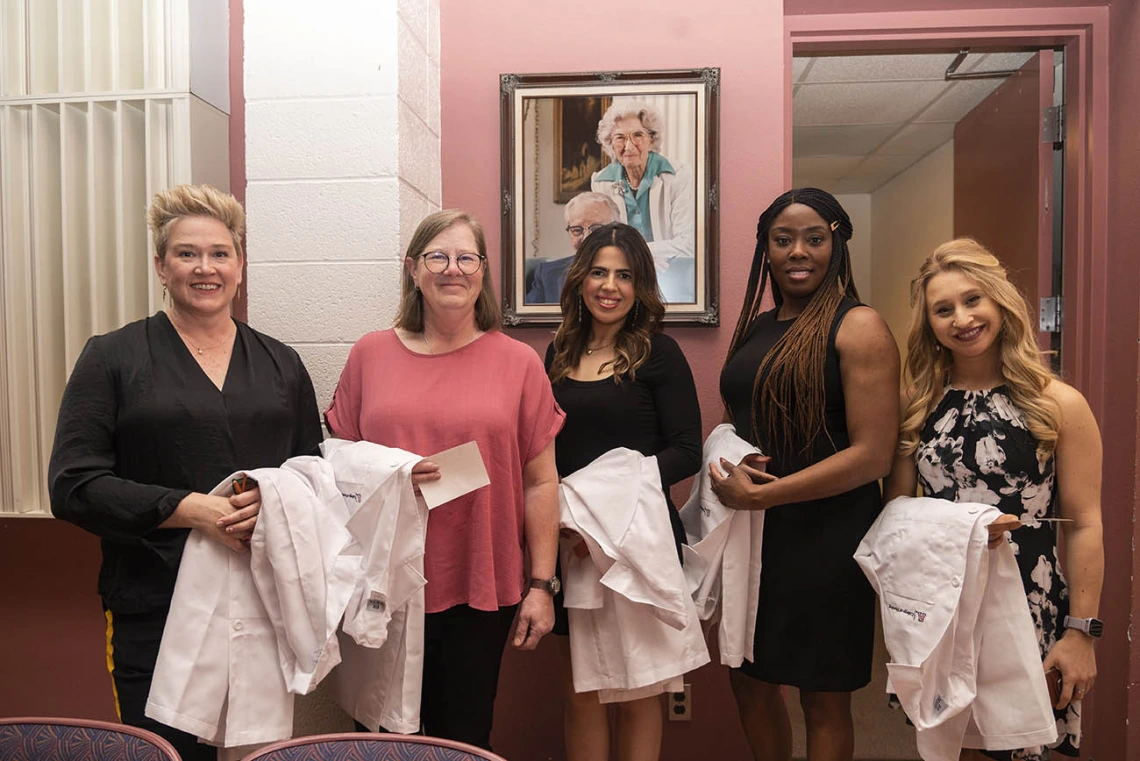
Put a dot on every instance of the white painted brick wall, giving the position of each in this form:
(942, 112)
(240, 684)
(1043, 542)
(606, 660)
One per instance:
(342, 161)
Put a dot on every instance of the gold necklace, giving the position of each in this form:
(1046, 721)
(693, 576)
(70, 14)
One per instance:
(200, 349)
(590, 351)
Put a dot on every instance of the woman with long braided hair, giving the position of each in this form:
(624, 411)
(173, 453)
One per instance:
(813, 383)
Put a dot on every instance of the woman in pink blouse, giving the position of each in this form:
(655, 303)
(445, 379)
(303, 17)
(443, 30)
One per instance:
(444, 376)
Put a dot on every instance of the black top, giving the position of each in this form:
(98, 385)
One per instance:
(657, 414)
(141, 426)
(815, 622)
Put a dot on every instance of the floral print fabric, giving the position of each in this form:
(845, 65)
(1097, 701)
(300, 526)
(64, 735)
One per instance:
(975, 447)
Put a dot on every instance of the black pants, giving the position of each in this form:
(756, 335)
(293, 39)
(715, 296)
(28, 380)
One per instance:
(132, 649)
(463, 649)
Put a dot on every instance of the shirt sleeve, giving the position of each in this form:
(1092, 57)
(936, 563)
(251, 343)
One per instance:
(678, 412)
(540, 417)
(83, 487)
(343, 415)
(307, 436)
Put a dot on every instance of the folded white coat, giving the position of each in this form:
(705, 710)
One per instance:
(964, 657)
(722, 559)
(246, 632)
(634, 630)
(380, 679)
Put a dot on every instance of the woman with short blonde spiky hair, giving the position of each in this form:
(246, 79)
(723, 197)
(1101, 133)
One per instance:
(155, 415)
(985, 420)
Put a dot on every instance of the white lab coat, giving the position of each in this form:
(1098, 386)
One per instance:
(722, 560)
(672, 211)
(634, 630)
(245, 632)
(964, 657)
(379, 681)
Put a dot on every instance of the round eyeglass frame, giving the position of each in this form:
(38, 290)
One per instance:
(481, 257)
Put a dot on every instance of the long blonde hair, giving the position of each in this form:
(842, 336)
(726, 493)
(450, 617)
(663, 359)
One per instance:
(927, 369)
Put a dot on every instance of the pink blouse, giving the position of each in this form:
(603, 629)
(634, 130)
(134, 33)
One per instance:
(493, 391)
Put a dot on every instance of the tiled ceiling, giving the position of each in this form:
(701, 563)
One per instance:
(860, 120)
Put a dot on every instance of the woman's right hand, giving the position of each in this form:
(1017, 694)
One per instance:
(423, 472)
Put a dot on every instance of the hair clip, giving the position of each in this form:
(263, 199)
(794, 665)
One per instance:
(834, 225)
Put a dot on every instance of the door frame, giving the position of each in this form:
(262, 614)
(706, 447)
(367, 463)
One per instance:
(1083, 32)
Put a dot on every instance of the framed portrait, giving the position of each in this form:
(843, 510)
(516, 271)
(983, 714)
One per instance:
(581, 150)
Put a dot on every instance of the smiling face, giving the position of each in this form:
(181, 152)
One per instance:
(450, 289)
(200, 267)
(630, 143)
(799, 253)
(608, 289)
(962, 317)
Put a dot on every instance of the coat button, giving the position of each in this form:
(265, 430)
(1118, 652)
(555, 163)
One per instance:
(237, 625)
(954, 582)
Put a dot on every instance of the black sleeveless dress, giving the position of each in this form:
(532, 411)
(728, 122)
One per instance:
(975, 447)
(816, 620)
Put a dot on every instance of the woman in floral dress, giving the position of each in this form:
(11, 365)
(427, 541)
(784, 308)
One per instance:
(984, 420)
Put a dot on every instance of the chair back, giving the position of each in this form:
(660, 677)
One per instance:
(363, 746)
(52, 739)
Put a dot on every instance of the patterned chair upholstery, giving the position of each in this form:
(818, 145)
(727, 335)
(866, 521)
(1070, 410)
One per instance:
(360, 746)
(50, 739)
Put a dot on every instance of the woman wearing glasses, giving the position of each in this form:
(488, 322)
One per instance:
(651, 194)
(445, 375)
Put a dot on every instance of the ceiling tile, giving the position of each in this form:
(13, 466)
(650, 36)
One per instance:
(862, 102)
(798, 66)
(825, 166)
(854, 140)
(918, 139)
(812, 181)
(959, 100)
(878, 68)
(877, 170)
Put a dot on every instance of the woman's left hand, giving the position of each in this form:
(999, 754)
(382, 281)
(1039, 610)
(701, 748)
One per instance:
(742, 487)
(1073, 656)
(535, 619)
(241, 521)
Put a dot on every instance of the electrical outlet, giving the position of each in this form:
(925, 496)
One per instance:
(681, 704)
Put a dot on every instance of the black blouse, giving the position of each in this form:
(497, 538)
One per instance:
(141, 426)
(657, 414)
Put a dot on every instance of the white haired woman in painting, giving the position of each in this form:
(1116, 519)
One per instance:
(651, 194)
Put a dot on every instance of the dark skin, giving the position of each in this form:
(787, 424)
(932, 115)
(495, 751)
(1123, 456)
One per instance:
(799, 252)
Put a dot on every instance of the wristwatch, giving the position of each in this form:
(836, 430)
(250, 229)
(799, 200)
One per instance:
(1090, 626)
(551, 585)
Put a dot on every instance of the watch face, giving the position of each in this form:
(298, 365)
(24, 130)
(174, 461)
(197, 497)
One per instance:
(1096, 627)
(555, 586)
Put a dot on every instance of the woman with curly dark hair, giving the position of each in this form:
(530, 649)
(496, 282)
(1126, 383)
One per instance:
(622, 383)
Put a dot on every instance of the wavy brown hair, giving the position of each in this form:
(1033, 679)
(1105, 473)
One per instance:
(792, 370)
(410, 314)
(633, 341)
(926, 371)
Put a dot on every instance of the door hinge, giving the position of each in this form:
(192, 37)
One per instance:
(1052, 314)
(1053, 124)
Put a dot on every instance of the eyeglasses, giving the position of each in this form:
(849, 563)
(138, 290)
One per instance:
(578, 231)
(437, 262)
(619, 139)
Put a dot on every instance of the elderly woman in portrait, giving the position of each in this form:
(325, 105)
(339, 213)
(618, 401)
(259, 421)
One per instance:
(155, 415)
(652, 195)
(445, 375)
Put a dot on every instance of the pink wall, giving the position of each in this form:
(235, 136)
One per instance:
(1117, 718)
(481, 41)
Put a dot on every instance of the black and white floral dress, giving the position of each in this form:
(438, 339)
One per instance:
(975, 447)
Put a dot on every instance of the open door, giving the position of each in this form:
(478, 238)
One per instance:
(1005, 192)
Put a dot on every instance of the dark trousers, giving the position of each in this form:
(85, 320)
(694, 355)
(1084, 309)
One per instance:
(463, 648)
(132, 649)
